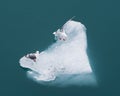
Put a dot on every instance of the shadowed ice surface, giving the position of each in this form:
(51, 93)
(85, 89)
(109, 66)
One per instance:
(63, 63)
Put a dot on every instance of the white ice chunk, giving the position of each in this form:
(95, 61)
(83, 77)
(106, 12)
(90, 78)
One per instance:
(63, 58)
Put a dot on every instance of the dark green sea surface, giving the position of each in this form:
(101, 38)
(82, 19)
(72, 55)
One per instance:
(27, 26)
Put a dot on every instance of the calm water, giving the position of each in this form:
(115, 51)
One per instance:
(27, 26)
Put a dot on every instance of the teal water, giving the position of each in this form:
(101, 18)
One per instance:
(27, 26)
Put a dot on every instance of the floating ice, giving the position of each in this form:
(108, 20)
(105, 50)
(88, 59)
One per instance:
(64, 62)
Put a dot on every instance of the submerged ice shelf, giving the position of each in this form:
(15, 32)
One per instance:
(65, 61)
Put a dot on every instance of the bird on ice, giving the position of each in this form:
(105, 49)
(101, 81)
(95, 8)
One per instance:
(33, 56)
(60, 34)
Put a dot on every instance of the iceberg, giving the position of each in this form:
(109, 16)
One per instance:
(63, 62)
